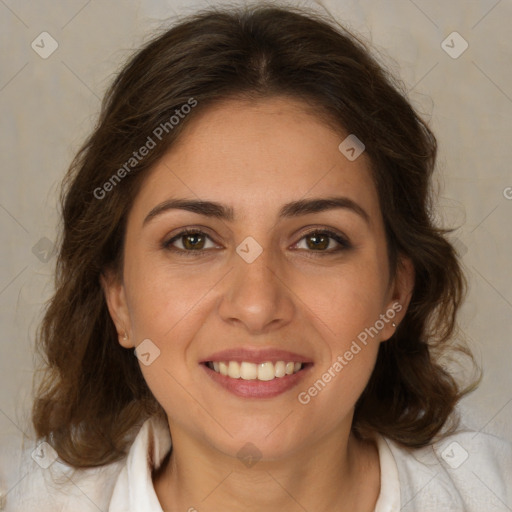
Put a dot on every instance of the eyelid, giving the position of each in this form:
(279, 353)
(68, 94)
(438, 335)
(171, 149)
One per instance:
(340, 238)
(194, 230)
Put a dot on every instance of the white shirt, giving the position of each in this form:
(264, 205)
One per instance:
(466, 472)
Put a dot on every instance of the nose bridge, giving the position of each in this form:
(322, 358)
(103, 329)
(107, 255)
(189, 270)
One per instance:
(255, 295)
(258, 270)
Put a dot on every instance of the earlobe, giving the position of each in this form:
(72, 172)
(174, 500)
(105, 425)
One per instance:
(115, 298)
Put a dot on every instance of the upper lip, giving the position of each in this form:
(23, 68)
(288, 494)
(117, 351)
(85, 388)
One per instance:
(256, 356)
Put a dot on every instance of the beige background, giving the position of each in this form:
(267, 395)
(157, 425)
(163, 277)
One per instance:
(49, 105)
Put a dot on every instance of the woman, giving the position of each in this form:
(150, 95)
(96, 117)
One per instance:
(251, 218)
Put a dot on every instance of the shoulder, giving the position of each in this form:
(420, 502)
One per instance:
(470, 471)
(45, 484)
(57, 486)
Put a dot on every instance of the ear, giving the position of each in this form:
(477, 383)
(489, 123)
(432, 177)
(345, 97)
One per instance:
(115, 296)
(401, 291)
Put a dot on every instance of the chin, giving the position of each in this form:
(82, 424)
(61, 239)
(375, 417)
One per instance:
(258, 440)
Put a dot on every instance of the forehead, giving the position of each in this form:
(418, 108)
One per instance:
(258, 155)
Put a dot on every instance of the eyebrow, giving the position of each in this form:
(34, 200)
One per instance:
(289, 210)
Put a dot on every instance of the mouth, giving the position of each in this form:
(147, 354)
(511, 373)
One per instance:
(256, 373)
(264, 372)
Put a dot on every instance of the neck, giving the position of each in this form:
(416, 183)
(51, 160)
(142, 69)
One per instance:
(338, 473)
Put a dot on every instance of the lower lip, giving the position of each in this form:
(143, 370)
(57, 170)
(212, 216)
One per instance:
(257, 388)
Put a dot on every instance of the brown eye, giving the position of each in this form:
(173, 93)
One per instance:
(189, 241)
(318, 241)
(193, 241)
(324, 242)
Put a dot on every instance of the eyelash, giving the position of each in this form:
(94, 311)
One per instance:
(344, 244)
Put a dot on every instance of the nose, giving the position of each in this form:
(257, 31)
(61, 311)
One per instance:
(256, 296)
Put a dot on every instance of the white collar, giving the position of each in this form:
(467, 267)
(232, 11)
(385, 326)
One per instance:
(389, 496)
(134, 490)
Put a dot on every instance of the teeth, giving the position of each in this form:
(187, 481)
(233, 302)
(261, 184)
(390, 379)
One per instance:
(223, 368)
(248, 371)
(251, 371)
(234, 370)
(266, 371)
(280, 368)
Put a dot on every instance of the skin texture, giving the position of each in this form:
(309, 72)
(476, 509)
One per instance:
(256, 157)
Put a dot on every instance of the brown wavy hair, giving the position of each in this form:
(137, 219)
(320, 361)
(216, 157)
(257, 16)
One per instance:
(92, 396)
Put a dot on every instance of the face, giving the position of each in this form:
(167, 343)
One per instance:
(270, 274)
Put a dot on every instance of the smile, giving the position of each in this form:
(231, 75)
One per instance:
(256, 380)
(245, 370)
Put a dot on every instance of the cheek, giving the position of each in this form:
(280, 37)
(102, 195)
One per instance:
(162, 297)
(345, 310)
(334, 390)
(168, 306)
(344, 302)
